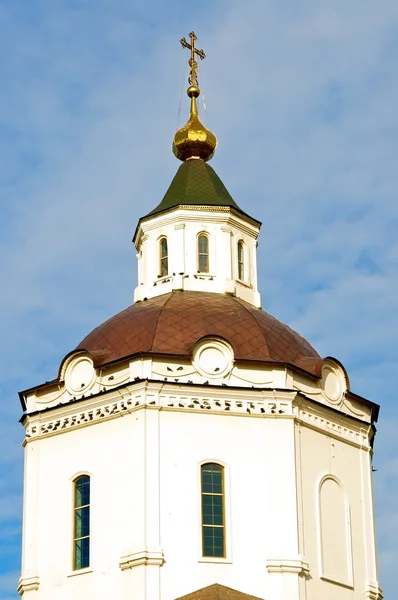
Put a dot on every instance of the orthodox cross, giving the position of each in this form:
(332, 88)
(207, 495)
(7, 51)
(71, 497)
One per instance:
(193, 80)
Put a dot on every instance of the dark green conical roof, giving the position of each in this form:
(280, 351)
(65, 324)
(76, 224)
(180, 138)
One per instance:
(197, 184)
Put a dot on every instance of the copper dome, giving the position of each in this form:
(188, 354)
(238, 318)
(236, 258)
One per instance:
(171, 324)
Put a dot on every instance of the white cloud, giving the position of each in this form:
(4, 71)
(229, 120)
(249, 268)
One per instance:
(303, 99)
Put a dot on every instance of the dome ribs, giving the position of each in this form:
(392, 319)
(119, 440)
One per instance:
(192, 315)
(174, 322)
(284, 344)
(129, 332)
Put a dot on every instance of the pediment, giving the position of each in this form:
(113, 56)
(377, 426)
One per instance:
(217, 592)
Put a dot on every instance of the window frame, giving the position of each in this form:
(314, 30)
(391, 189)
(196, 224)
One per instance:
(227, 513)
(206, 236)
(75, 538)
(163, 257)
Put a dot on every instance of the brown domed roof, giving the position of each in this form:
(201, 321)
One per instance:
(172, 323)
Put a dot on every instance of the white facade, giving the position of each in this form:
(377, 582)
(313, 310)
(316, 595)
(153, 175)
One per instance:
(294, 449)
(296, 453)
(224, 227)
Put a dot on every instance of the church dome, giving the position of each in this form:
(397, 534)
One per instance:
(171, 325)
(194, 140)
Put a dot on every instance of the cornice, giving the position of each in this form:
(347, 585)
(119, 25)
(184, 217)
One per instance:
(28, 584)
(333, 423)
(223, 401)
(374, 592)
(287, 565)
(157, 396)
(197, 214)
(143, 557)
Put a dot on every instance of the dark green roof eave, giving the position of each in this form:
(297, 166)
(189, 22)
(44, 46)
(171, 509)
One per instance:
(151, 215)
(196, 184)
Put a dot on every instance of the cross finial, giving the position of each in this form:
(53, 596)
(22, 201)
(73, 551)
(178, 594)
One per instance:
(193, 80)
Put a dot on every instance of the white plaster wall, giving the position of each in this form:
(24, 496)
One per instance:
(260, 500)
(112, 454)
(181, 228)
(144, 470)
(320, 456)
(144, 465)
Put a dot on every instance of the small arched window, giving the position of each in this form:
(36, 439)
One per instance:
(203, 253)
(81, 525)
(241, 261)
(213, 510)
(164, 257)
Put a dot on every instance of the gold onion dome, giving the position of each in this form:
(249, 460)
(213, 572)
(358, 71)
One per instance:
(194, 140)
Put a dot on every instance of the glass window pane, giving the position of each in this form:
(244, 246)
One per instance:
(82, 553)
(203, 263)
(82, 491)
(213, 541)
(203, 244)
(82, 522)
(203, 254)
(163, 248)
(164, 260)
(241, 272)
(212, 479)
(212, 510)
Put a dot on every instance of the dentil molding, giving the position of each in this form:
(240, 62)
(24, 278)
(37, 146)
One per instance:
(247, 403)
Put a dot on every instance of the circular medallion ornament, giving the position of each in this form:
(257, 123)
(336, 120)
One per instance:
(332, 382)
(79, 375)
(213, 358)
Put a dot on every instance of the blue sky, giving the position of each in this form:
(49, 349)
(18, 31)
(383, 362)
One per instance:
(303, 97)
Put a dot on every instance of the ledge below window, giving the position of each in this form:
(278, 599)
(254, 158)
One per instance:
(80, 572)
(215, 559)
(244, 284)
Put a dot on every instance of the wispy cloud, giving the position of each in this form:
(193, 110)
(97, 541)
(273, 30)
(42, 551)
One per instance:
(303, 99)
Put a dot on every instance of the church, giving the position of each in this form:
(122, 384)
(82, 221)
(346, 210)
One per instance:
(193, 447)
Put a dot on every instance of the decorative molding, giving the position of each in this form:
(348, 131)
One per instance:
(280, 405)
(188, 213)
(345, 584)
(144, 557)
(28, 584)
(79, 572)
(213, 357)
(313, 418)
(333, 382)
(160, 395)
(287, 565)
(374, 592)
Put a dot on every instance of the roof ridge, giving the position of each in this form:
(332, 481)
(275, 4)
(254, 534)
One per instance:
(243, 303)
(195, 183)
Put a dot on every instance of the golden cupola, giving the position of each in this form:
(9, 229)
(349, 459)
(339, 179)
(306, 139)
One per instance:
(194, 140)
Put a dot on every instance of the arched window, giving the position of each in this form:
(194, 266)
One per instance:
(241, 261)
(81, 525)
(203, 253)
(164, 257)
(335, 532)
(213, 510)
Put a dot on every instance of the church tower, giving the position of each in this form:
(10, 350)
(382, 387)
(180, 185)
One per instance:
(193, 446)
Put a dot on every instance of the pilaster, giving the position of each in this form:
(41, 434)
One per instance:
(29, 580)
